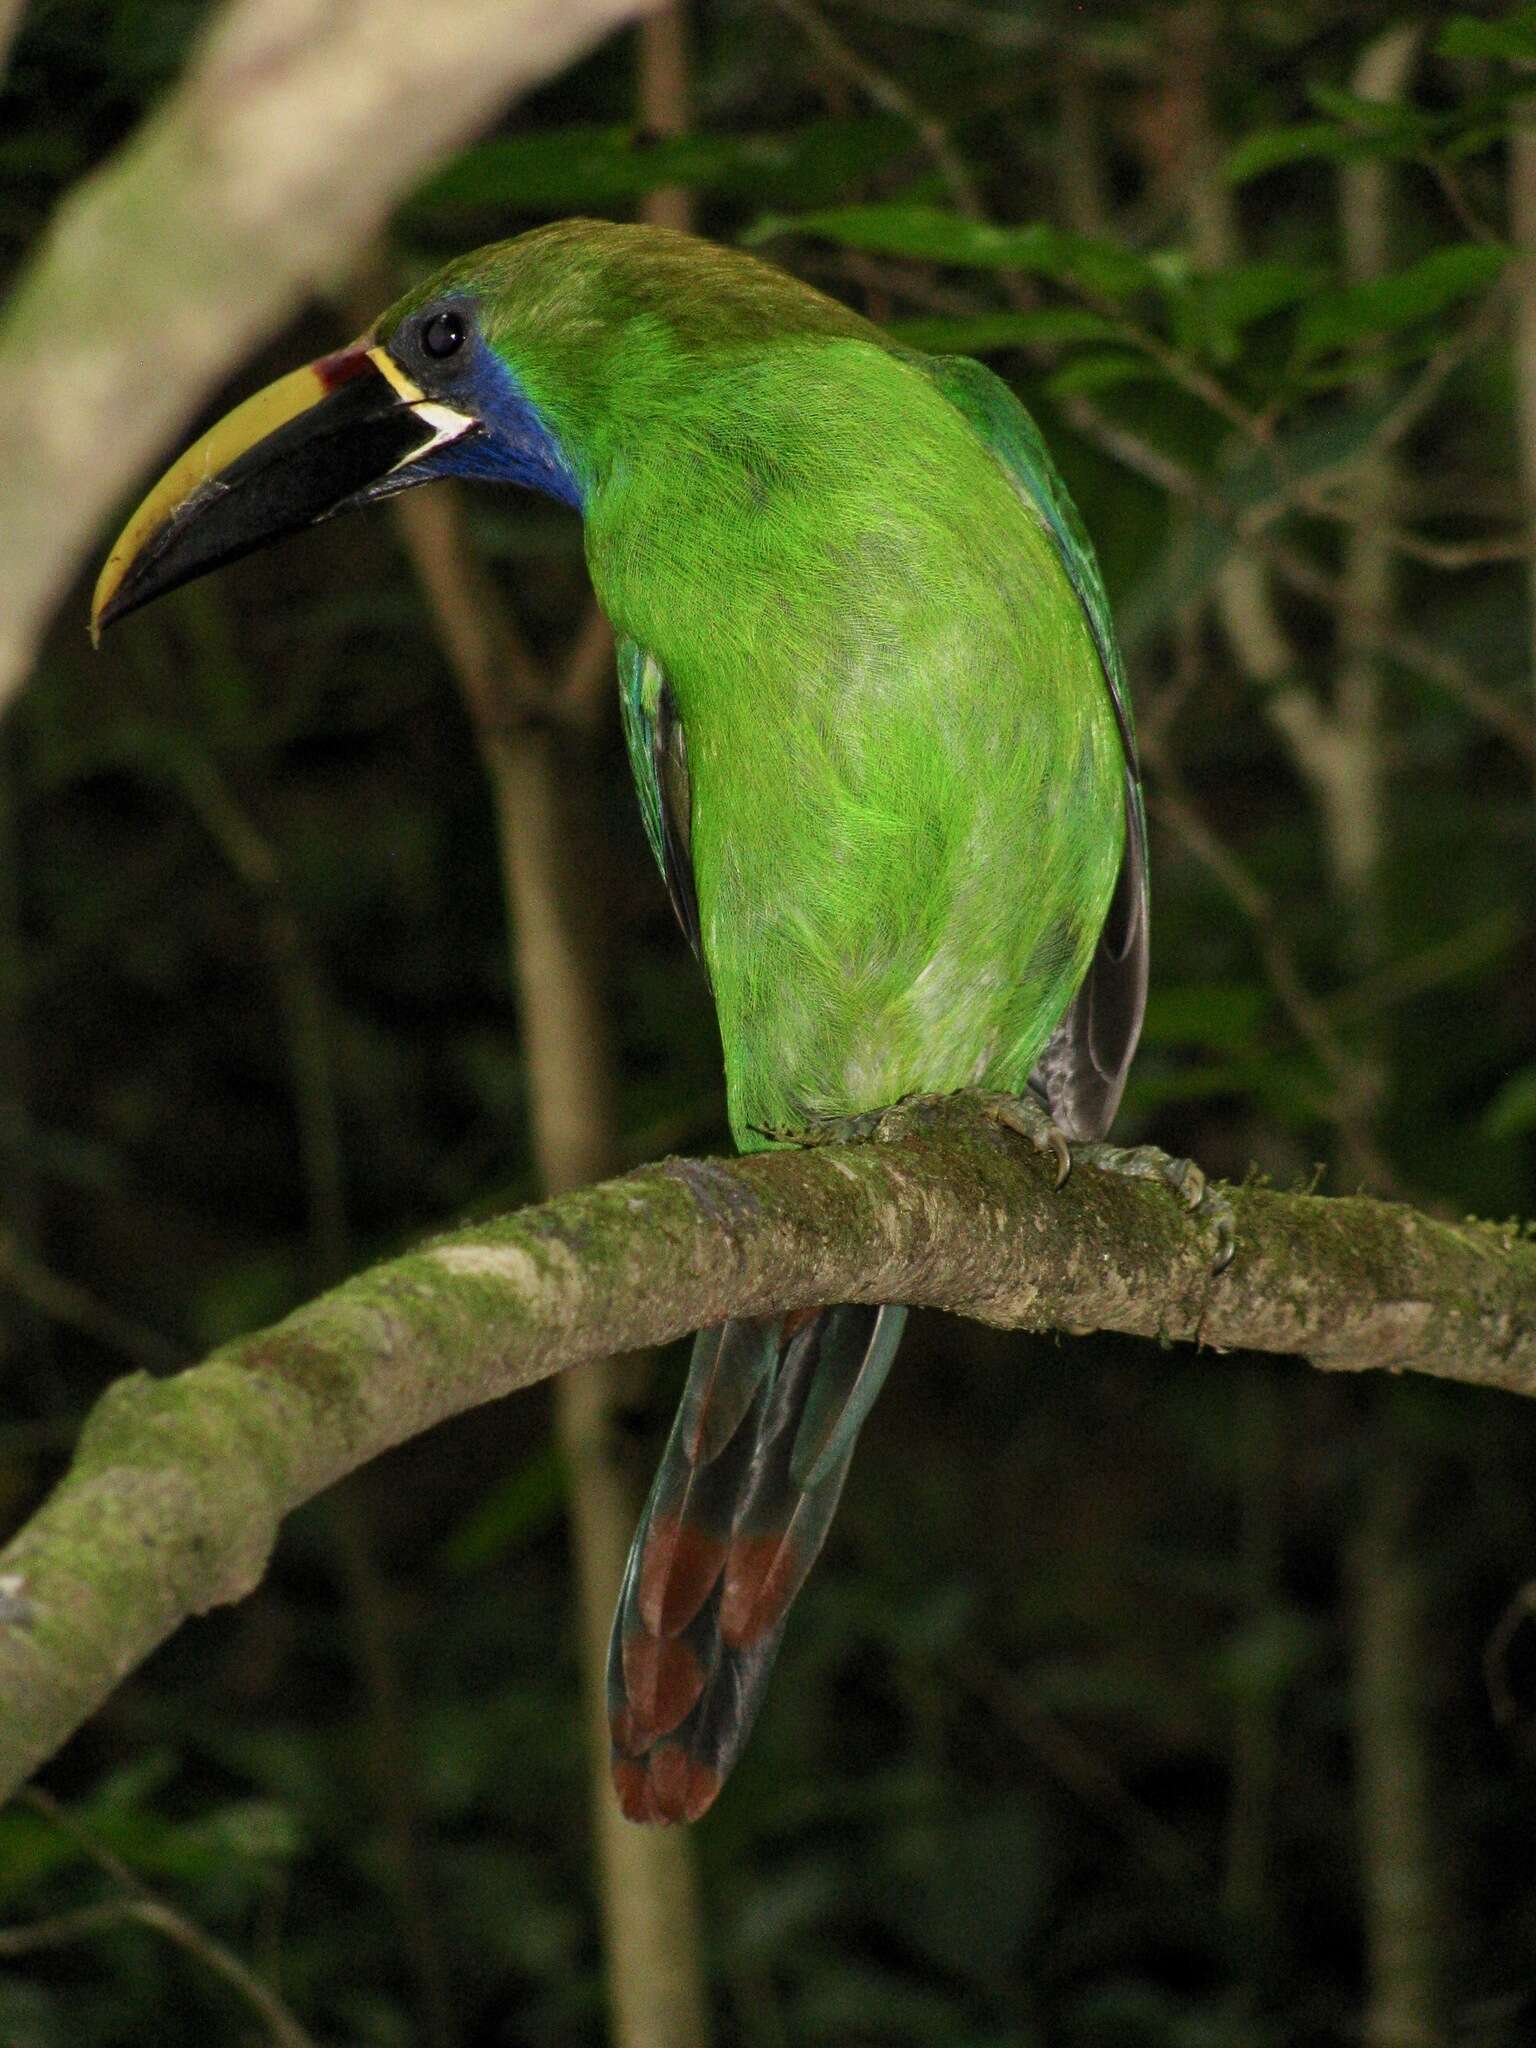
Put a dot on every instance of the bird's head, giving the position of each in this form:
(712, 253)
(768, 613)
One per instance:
(424, 394)
(549, 361)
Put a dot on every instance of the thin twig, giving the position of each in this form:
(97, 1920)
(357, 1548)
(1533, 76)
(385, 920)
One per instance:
(1086, 1775)
(887, 93)
(1136, 453)
(1452, 556)
(138, 1903)
(300, 998)
(987, 25)
(1455, 193)
(283, 2029)
(1427, 385)
(1400, 980)
(76, 1308)
(1174, 807)
(1410, 649)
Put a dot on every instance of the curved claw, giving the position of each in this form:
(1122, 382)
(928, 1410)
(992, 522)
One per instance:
(1182, 1178)
(1187, 1181)
(1057, 1143)
(1218, 1210)
(1207, 1204)
(1024, 1116)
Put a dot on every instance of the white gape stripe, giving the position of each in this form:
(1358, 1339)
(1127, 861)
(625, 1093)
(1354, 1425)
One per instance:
(446, 424)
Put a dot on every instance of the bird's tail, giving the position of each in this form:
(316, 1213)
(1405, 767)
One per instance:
(741, 1505)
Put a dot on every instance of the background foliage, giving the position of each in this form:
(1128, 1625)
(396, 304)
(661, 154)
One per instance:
(1137, 1701)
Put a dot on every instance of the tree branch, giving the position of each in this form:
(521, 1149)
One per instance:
(178, 1486)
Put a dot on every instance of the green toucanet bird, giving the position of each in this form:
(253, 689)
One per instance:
(884, 753)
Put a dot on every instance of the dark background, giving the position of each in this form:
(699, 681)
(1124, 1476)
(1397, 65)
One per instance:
(1133, 1680)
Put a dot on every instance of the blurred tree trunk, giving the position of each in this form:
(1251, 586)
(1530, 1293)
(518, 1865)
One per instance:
(10, 21)
(1406, 1931)
(1394, 1790)
(1522, 227)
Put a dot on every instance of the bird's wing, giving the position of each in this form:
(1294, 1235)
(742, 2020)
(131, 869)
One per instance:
(1083, 1067)
(658, 754)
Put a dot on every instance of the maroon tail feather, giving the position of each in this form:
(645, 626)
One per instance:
(739, 1510)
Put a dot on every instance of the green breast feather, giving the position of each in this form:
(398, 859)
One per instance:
(903, 774)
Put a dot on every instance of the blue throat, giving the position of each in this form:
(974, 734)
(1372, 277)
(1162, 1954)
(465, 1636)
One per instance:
(518, 446)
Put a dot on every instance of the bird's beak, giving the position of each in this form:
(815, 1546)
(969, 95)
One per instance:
(340, 432)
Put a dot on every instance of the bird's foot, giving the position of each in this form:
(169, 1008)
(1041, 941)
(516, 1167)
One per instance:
(826, 1130)
(883, 1125)
(1021, 1113)
(1027, 1117)
(1182, 1177)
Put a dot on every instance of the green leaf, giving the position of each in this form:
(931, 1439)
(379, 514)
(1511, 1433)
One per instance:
(509, 1515)
(251, 1830)
(1269, 148)
(1397, 119)
(567, 169)
(31, 1850)
(1338, 372)
(1220, 1014)
(1102, 372)
(1253, 291)
(1514, 38)
(1388, 303)
(1478, 136)
(1362, 129)
(934, 236)
(1513, 1109)
(1210, 313)
(985, 333)
(1265, 1655)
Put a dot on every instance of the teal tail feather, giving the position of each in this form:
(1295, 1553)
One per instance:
(741, 1505)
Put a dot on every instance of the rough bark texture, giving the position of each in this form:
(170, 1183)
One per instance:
(294, 131)
(179, 1485)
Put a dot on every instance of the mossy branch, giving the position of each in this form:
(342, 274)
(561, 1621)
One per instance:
(178, 1487)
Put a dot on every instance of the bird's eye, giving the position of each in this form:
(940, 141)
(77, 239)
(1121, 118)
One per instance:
(443, 334)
